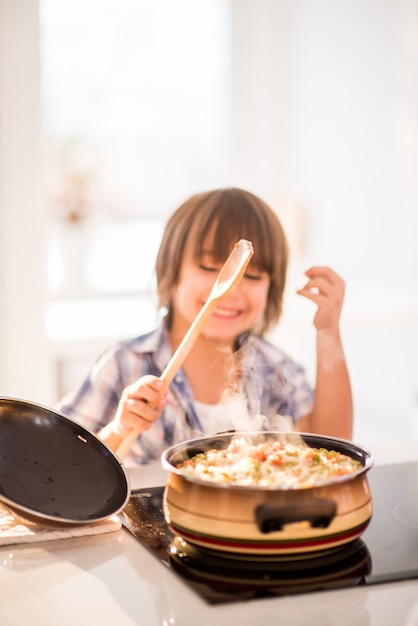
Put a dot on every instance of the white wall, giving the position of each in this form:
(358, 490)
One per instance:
(25, 369)
(325, 114)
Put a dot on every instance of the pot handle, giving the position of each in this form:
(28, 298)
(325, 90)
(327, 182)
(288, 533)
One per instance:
(318, 511)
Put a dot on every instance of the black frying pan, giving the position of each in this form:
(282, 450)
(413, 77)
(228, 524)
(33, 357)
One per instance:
(54, 470)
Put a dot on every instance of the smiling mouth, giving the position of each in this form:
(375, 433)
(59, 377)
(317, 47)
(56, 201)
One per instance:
(226, 313)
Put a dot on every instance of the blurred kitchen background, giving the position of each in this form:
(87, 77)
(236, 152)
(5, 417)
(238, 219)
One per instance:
(112, 112)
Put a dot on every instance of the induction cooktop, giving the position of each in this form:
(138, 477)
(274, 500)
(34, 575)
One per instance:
(386, 552)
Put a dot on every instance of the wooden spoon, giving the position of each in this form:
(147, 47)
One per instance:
(228, 278)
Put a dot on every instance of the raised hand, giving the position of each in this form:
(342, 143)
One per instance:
(326, 289)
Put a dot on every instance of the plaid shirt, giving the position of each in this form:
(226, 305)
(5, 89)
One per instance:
(272, 384)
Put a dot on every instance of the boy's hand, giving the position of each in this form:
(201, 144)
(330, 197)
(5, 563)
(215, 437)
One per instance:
(141, 403)
(326, 289)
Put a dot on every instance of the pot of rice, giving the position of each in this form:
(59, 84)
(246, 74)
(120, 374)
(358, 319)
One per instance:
(267, 493)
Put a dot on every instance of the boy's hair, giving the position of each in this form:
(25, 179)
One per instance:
(228, 215)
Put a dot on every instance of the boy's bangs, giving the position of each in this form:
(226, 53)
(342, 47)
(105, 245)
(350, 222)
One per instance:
(220, 232)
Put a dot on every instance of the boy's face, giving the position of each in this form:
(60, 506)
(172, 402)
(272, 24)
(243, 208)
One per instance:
(238, 312)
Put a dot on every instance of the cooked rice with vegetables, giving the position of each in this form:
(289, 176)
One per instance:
(271, 463)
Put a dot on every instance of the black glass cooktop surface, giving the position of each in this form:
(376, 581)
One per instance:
(386, 552)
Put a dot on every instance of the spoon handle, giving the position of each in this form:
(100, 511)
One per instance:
(233, 269)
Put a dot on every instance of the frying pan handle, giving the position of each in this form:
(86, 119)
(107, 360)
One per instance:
(318, 511)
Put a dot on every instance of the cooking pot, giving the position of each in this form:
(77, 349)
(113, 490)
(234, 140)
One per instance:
(55, 471)
(258, 520)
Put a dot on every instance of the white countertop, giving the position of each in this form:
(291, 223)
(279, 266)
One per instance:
(112, 580)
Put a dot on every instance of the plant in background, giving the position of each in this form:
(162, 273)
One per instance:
(70, 179)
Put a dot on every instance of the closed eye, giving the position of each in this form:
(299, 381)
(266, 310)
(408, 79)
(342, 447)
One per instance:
(253, 276)
(209, 268)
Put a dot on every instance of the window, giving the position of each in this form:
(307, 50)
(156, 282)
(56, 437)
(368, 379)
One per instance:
(135, 118)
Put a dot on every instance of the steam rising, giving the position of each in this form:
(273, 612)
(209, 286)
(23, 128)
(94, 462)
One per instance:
(239, 408)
